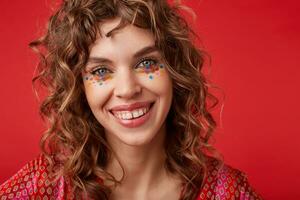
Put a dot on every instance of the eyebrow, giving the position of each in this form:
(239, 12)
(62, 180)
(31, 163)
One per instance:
(139, 53)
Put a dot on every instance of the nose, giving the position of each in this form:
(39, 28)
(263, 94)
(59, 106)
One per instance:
(127, 85)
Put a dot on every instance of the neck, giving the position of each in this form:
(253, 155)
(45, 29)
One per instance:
(143, 164)
(145, 176)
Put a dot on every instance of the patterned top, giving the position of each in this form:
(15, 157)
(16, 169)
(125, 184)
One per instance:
(33, 181)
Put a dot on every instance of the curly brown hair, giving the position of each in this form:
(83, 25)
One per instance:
(75, 143)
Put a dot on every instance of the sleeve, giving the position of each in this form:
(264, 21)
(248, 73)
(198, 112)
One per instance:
(234, 184)
(33, 181)
(225, 182)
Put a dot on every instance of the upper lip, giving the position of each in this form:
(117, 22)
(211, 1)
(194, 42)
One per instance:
(130, 107)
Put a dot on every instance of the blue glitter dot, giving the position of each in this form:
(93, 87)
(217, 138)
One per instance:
(161, 66)
(151, 77)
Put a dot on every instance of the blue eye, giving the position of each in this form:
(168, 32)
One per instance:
(146, 63)
(102, 71)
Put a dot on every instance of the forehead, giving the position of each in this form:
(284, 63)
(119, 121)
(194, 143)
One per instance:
(109, 25)
(126, 39)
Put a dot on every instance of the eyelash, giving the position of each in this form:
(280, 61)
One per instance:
(154, 60)
(147, 59)
(94, 72)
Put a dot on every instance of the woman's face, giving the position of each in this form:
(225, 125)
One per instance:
(127, 85)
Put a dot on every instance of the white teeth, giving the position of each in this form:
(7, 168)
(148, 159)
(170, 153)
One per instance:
(140, 112)
(135, 113)
(127, 115)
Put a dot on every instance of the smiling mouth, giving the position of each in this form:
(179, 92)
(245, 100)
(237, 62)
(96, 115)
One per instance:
(133, 114)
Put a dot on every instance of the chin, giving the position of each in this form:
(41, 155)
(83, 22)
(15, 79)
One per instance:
(136, 138)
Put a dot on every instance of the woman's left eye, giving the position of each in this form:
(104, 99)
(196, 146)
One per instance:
(146, 63)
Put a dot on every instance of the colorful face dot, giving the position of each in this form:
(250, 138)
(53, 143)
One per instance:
(161, 69)
(148, 66)
(151, 69)
(96, 78)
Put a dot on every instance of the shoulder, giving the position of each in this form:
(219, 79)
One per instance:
(225, 182)
(33, 180)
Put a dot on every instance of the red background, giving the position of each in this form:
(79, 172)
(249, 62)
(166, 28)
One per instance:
(255, 60)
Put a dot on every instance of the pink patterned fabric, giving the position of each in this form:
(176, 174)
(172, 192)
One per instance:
(33, 181)
(225, 182)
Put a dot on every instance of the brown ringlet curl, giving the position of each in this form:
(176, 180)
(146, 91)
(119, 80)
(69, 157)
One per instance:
(75, 143)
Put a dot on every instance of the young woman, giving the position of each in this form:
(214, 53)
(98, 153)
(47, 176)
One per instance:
(126, 107)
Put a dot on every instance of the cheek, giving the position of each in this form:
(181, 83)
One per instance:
(158, 80)
(96, 94)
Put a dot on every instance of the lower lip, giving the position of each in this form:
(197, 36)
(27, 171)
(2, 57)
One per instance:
(135, 122)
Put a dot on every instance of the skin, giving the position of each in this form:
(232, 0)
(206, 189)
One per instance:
(124, 81)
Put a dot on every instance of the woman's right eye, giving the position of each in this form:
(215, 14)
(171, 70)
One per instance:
(102, 71)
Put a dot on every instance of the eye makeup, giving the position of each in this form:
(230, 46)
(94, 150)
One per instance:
(97, 76)
(150, 67)
(147, 66)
